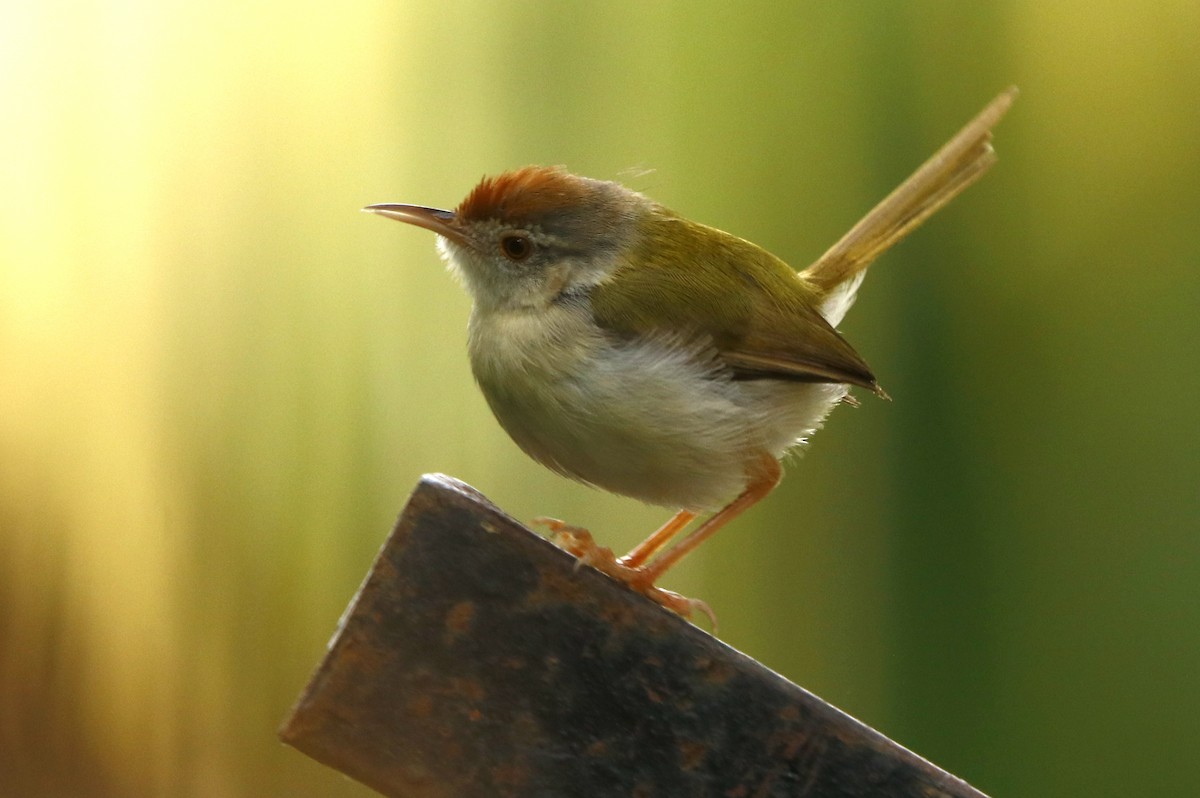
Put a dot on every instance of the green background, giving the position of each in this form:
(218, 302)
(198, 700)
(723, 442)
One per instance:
(219, 381)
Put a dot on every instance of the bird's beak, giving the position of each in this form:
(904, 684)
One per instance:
(435, 219)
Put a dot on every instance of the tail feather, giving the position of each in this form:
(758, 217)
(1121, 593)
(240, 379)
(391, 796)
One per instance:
(958, 164)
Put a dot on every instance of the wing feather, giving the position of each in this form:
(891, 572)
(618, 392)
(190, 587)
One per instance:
(761, 317)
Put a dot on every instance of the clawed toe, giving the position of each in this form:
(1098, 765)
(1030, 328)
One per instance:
(578, 542)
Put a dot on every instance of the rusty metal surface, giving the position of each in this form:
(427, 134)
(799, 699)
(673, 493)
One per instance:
(477, 661)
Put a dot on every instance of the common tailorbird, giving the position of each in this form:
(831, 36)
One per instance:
(632, 349)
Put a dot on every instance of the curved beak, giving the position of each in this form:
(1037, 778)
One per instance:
(435, 219)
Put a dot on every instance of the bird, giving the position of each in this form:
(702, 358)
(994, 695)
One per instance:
(629, 348)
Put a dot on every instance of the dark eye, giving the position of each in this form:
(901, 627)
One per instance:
(516, 246)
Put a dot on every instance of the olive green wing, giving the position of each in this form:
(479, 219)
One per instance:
(760, 316)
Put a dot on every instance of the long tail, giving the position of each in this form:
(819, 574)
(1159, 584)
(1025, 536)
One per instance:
(958, 164)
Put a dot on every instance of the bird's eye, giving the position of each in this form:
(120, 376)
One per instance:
(516, 247)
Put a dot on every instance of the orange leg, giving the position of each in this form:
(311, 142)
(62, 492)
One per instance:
(633, 570)
(764, 478)
(651, 545)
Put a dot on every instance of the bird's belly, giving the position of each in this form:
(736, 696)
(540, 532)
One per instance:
(656, 421)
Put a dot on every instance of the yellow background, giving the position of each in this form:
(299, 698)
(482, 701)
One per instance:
(219, 381)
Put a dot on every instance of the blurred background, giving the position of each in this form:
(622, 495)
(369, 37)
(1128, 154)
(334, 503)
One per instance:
(219, 381)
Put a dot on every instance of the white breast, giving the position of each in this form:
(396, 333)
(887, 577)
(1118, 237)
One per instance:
(656, 420)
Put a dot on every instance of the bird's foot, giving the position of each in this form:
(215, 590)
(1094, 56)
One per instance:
(579, 542)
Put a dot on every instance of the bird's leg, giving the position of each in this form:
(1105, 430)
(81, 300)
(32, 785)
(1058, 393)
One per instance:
(765, 475)
(632, 569)
(661, 537)
(579, 541)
